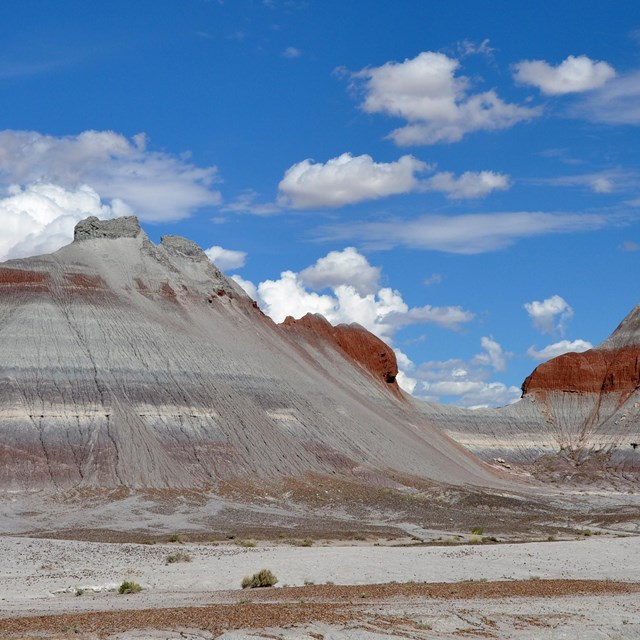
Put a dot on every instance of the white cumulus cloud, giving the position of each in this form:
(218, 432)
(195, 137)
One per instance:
(344, 288)
(226, 258)
(342, 267)
(558, 348)
(574, 75)
(40, 218)
(345, 180)
(435, 102)
(492, 355)
(549, 315)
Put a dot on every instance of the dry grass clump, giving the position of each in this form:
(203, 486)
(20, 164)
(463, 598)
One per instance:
(128, 586)
(263, 578)
(249, 542)
(179, 556)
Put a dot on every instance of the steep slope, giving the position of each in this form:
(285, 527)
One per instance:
(123, 363)
(579, 408)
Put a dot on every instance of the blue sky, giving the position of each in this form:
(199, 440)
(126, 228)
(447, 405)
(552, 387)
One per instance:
(461, 178)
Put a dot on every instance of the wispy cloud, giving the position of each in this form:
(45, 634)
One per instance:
(599, 182)
(617, 102)
(154, 185)
(291, 53)
(467, 233)
(21, 69)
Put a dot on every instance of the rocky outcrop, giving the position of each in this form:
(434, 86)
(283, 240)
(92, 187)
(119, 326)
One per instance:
(578, 411)
(125, 363)
(594, 371)
(354, 341)
(612, 367)
(92, 227)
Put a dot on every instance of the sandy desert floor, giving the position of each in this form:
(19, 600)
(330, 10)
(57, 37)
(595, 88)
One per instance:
(585, 588)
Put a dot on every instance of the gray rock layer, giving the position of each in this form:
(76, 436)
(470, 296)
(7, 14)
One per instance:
(126, 363)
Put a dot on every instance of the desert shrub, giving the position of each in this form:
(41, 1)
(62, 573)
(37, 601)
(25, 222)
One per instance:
(179, 556)
(128, 586)
(477, 531)
(250, 542)
(307, 542)
(263, 578)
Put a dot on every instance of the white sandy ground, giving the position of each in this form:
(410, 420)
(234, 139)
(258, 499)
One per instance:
(40, 576)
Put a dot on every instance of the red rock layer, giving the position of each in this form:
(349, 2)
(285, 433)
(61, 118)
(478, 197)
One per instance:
(594, 371)
(355, 342)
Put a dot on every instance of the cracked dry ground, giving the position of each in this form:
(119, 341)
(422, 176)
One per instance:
(330, 611)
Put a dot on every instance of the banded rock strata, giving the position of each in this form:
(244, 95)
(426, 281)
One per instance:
(123, 363)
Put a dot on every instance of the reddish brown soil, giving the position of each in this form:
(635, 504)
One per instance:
(17, 281)
(20, 276)
(259, 609)
(83, 281)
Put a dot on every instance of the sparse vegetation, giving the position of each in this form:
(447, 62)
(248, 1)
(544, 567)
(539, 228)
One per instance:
(477, 531)
(174, 537)
(128, 586)
(179, 556)
(263, 578)
(473, 580)
(79, 591)
(585, 532)
(250, 542)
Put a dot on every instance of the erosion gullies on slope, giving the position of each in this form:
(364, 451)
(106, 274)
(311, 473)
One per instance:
(130, 364)
(578, 411)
